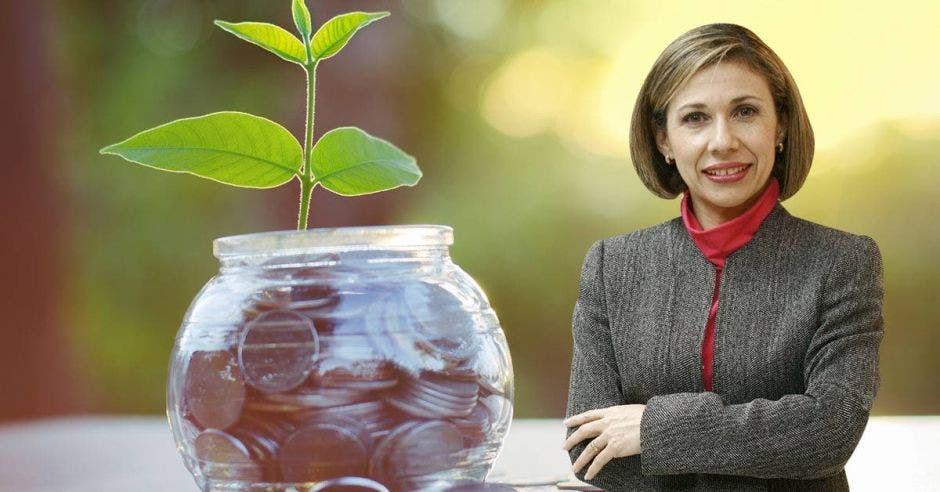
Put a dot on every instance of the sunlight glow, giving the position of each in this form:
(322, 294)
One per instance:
(854, 66)
(527, 93)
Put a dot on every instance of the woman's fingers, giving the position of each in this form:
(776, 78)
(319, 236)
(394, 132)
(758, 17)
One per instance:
(586, 431)
(615, 432)
(592, 450)
(584, 417)
(602, 458)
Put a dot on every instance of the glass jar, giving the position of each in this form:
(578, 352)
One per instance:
(353, 352)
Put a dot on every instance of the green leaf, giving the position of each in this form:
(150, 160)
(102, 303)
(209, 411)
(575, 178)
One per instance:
(335, 33)
(270, 37)
(230, 147)
(302, 18)
(349, 161)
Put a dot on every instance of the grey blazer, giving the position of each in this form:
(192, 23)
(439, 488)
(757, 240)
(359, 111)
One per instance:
(798, 330)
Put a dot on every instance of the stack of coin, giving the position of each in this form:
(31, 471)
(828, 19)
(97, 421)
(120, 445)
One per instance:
(389, 383)
(374, 417)
(476, 426)
(435, 396)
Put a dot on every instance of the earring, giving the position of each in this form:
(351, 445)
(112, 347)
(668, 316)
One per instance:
(780, 147)
(668, 159)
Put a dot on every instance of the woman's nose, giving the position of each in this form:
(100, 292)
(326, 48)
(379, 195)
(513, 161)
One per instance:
(723, 137)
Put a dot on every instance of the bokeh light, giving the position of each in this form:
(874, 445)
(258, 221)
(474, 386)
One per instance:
(517, 112)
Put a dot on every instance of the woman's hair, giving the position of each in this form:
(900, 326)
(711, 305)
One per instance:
(699, 48)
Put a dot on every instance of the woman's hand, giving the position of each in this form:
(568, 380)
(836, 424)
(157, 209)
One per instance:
(616, 433)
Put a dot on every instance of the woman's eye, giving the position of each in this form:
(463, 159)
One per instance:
(693, 118)
(747, 111)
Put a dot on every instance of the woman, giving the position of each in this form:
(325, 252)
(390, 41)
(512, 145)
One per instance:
(735, 346)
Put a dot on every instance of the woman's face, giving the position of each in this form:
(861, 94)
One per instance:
(721, 131)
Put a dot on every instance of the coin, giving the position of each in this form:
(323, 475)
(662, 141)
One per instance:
(319, 397)
(378, 462)
(425, 449)
(184, 425)
(434, 396)
(471, 486)
(378, 436)
(319, 311)
(416, 409)
(371, 415)
(224, 457)
(259, 446)
(442, 406)
(261, 450)
(326, 268)
(320, 451)
(391, 331)
(277, 351)
(276, 427)
(215, 390)
(349, 361)
(458, 404)
(349, 484)
(313, 299)
(325, 447)
(492, 365)
(269, 299)
(461, 372)
(475, 427)
(268, 406)
(440, 318)
(262, 435)
(500, 410)
(444, 386)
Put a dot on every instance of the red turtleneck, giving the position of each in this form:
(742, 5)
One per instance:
(717, 244)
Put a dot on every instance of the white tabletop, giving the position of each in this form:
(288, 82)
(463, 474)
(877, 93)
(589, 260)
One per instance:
(105, 454)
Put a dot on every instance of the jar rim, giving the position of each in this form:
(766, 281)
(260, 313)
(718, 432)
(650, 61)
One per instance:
(331, 239)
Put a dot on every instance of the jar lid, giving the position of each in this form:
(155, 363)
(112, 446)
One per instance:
(334, 239)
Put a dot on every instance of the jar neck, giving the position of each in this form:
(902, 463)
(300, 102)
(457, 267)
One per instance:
(376, 258)
(382, 246)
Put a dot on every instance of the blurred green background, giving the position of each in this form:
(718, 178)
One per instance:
(517, 112)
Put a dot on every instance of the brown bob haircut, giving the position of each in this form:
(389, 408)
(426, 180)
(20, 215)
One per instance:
(699, 48)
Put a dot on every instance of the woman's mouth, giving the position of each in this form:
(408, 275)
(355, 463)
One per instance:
(727, 175)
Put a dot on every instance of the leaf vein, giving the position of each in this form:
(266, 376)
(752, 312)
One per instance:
(219, 151)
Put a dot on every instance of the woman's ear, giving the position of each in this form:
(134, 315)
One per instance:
(781, 127)
(662, 143)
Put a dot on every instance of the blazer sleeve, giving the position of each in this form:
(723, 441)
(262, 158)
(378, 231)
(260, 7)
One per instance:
(595, 381)
(799, 436)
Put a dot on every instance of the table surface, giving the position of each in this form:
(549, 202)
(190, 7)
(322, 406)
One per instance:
(107, 453)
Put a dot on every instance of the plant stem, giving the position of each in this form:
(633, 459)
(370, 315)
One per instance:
(307, 182)
(305, 192)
